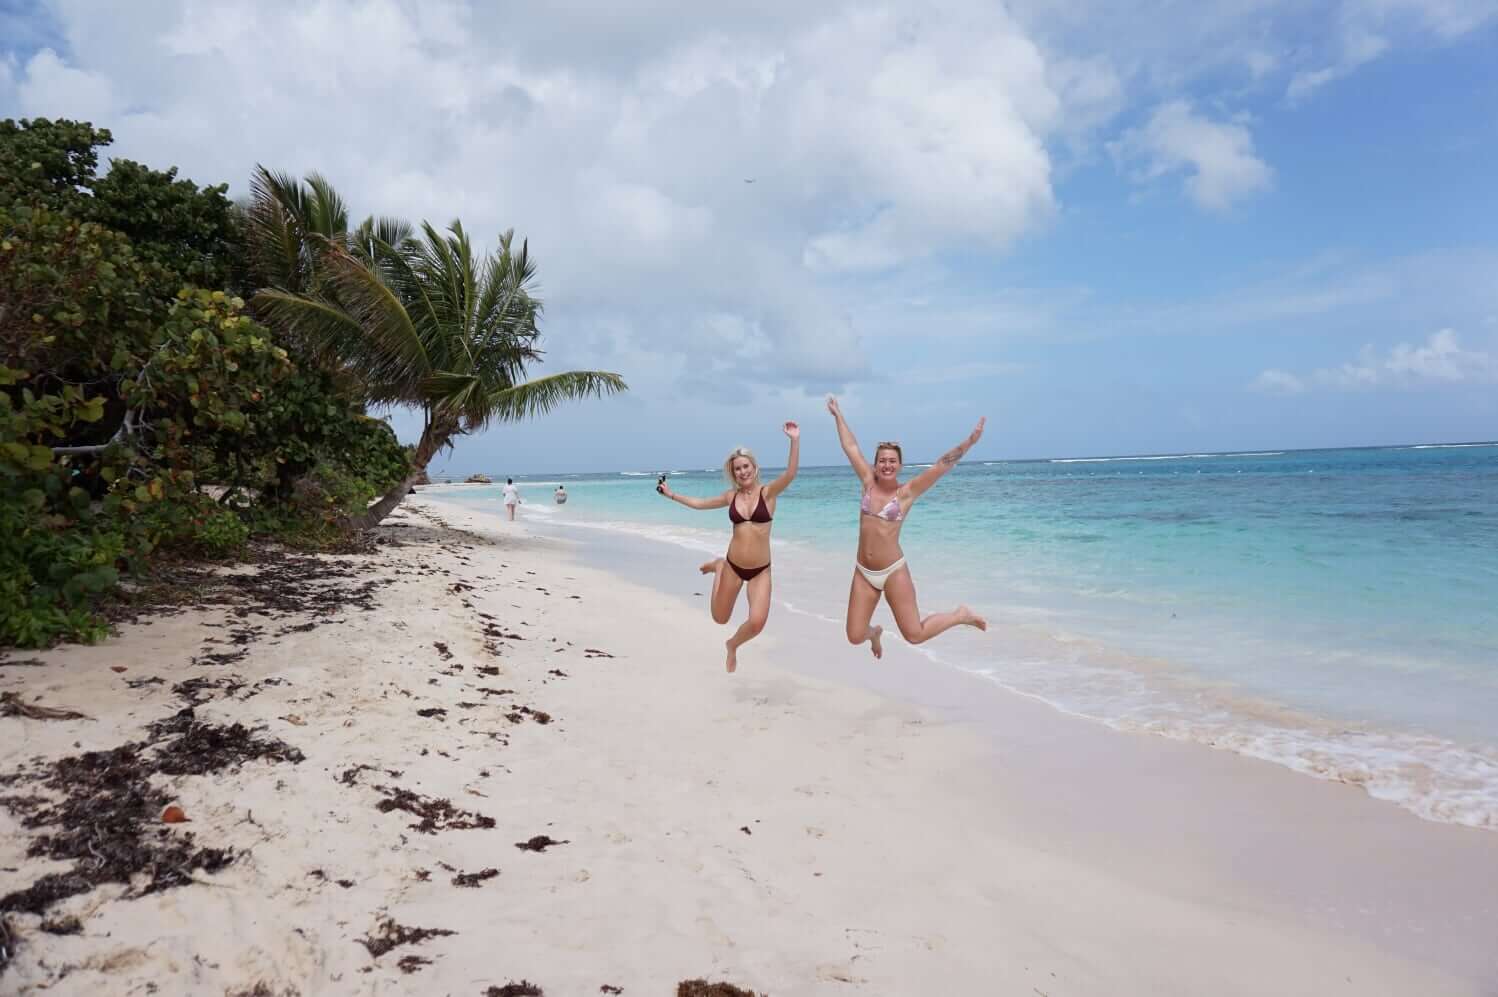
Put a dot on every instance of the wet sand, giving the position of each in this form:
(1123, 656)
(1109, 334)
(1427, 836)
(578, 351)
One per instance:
(515, 766)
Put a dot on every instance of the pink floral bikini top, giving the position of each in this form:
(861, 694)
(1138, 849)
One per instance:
(890, 512)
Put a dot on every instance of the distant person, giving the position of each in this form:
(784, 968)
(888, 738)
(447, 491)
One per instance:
(511, 497)
(751, 507)
(560, 495)
(879, 568)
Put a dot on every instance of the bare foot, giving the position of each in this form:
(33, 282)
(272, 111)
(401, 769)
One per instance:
(969, 618)
(710, 566)
(876, 641)
(733, 656)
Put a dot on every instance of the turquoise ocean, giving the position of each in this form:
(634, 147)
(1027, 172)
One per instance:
(1334, 611)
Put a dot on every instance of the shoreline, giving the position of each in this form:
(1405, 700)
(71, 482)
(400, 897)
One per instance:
(780, 829)
(1441, 777)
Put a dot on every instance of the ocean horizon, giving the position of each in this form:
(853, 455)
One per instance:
(1327, 610)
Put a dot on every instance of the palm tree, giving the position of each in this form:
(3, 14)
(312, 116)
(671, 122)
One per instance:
(289, 221)
(424, 322)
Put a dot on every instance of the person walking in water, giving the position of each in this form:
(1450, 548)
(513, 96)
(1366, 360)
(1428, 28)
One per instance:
(751, 508)
(511, 497)
(880, 568)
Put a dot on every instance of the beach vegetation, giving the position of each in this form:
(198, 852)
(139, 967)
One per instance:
(144, 411)
(426, 322)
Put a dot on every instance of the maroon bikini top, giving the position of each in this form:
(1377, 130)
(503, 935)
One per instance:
(761, 511)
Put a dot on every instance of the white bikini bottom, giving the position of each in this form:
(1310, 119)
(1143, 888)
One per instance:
(878, 578)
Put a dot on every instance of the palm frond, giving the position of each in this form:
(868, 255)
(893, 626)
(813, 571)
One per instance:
(391, 350)
(534, 398)
(328, 212)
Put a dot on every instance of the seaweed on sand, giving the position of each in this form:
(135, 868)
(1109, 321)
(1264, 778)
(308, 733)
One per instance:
(102, 811)
(436, 815)
(539, 843)
(388, 934)
(7, 944)
(11, 705)
(104, 822)
(702, 988)
(525, 988)
(200, 748)
(473, 879)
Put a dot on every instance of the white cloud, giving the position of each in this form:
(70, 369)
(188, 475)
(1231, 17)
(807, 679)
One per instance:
(1216, 156)
(1358, 48)
(1274, 380)
(618, 141)
(1366, 29)
(52, 89)
(1441, 360)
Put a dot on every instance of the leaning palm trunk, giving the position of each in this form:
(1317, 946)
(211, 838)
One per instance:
(375, 514)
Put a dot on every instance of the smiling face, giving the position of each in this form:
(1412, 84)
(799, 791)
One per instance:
(741, 469)
(887, 463)
(744, 471)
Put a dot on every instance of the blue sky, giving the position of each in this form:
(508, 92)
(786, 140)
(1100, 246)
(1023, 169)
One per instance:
(1111, 228)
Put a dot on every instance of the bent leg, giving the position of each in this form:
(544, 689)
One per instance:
(759, 612)
(863, 599)
(726, 585)
(899, 589)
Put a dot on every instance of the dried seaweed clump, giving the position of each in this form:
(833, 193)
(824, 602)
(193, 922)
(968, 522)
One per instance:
(525, 988)
(103, 818)
(389, 934)
(702, 988)
(436, 815)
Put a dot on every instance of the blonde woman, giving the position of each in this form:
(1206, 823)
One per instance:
(751, 508)
(880, 568)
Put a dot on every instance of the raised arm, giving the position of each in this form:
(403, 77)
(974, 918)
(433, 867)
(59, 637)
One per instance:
(850, 445)
(792, 462)
(948, 460)
(714, 502)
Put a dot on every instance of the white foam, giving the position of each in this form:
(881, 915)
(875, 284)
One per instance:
(1178, 456)
(1446, 446)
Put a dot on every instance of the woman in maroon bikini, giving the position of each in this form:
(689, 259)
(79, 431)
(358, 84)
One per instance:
(751, 507)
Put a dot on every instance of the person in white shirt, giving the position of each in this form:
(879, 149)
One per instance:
(560, 494)
(511, 497)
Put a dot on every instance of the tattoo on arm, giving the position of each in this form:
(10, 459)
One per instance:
(951, 457)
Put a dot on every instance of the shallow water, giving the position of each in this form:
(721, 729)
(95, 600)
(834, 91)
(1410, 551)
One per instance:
(1333, 611)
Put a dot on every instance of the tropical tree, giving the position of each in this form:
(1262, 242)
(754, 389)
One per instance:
(291, 222)
(426, 323)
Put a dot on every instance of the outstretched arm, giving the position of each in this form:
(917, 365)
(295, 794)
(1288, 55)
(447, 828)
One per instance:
(850, 445)
(783, 482)
(715, 502)
(948, 460)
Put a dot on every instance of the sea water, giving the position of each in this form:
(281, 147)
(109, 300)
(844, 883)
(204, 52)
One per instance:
(1335, 611)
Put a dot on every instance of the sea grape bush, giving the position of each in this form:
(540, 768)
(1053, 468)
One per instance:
(143, 410)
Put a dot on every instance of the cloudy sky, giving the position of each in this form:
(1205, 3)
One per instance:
(1111, 226)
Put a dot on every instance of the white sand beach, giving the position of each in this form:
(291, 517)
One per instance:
(816, 824)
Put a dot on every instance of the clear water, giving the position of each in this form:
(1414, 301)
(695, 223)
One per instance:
(1335, 610)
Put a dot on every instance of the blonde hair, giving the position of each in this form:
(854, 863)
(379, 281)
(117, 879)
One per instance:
(887, 445)
(734, 455)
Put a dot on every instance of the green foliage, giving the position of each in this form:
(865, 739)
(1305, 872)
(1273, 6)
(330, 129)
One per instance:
(48, 163)
(429, 323)
(141, 414)
(56, 555)
(192, 233)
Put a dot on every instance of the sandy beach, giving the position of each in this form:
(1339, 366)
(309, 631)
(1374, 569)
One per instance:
(473, 762)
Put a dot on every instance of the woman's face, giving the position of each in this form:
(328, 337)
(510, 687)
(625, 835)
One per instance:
(743, 471)
(887, 464)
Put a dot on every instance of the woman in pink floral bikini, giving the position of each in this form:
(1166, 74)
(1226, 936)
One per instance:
(880, 569)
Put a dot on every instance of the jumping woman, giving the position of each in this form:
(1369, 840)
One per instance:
(880, 569)
(751, 507)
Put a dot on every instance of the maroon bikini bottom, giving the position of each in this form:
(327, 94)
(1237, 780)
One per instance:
(745, 573)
